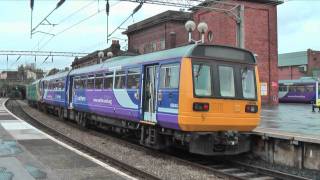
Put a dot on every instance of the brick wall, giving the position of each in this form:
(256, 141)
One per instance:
(290, 73)
(157, 37)
(313, 61)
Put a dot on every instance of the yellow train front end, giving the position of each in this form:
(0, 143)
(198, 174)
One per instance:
(221, 114)
(219, 99)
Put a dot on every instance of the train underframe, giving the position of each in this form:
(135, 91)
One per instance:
(153, 136)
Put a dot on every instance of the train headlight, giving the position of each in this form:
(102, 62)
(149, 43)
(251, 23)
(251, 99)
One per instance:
(201, 106)
(251, 108)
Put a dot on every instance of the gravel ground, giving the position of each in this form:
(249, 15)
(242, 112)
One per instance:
(163, 168)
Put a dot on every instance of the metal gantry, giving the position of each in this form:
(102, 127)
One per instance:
(41, 53)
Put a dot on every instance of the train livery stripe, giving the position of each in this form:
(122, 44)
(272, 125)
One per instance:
(123, 99)
(168, 110)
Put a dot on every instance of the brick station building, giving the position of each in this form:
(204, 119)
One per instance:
(259, 34)
(299, 64)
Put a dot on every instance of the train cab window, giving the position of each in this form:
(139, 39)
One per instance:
(133, 78)
(169, 76)
(202, 80)
(98, 82)
(248, 84)
(90, 82)
(108, 80)
(120, 80)
(226, 78)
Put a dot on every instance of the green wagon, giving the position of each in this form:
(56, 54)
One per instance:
(33, 93)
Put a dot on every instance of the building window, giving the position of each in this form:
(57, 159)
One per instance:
(210, 36)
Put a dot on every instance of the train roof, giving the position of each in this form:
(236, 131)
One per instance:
(56, 76)
(192, 50)
(303, 80)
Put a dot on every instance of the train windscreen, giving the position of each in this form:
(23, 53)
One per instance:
(224, 80)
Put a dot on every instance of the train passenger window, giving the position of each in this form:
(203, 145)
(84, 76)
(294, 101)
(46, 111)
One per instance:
(309, 88)
(76, 83)
(98, 82)
(133, 78)
(169, 76)
(90, 82)
(226, 78)
(108, 80)
(300, 89)
(83, 82)
(202, 80)
(248, 84)
(120, 80)
(292, 89)
(282, 88)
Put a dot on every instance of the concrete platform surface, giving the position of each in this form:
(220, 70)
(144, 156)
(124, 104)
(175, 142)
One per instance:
(291, 120)
(28, 154)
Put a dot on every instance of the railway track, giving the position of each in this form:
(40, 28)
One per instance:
(18, 111)
(223, 168)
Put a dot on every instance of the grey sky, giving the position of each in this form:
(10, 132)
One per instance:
(298, 27)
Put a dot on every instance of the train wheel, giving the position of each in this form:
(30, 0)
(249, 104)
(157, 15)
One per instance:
(84, 121)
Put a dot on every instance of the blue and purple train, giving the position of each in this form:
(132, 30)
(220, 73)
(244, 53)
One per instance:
(199, 97)
(302, 90)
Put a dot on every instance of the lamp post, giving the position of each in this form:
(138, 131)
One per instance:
(100, 55)
(191, 26)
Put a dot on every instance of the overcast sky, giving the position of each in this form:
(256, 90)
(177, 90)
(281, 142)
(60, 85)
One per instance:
(298, 27)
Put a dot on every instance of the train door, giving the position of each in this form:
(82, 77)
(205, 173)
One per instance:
(150, 92)
(70, 91)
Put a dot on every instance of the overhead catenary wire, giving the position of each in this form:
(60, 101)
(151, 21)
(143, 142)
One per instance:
(63, 20)
(75, 24)
(135, 10)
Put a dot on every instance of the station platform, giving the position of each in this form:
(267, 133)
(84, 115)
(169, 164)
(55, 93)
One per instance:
(27, 153)
(290, 120)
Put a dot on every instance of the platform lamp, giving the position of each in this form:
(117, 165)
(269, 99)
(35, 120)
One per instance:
(100, 55)
(191, 26)
(109, 54)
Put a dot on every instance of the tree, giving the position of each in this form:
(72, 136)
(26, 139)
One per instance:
(53, 71)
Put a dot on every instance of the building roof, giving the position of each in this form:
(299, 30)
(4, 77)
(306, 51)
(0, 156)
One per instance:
(158, 19)
(293, 59)
(273, 2)
(297, 81)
